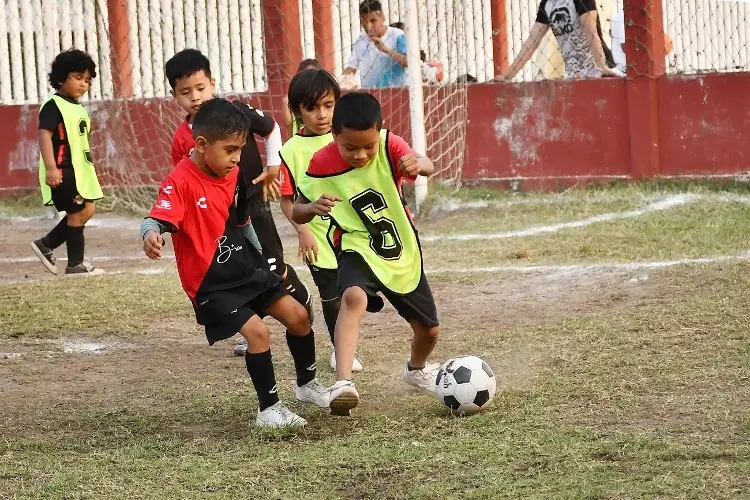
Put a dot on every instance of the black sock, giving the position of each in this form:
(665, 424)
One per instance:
(331, 314)
(57, 236)
(296, 288)
(303, 353)
(412, 368)
(76, 244)
(260, 369)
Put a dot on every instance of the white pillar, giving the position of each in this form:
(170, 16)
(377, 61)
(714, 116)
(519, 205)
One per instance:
(6, 94)
(29, 57)
(416, 99)
(157, 50)
(247, 50)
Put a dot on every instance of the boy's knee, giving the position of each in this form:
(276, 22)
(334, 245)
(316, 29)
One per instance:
(354, 298)
(298, 322)
(256, 335)
(432, 333)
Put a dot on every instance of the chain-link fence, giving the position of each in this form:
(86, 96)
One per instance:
(699, 36)
(255, 45)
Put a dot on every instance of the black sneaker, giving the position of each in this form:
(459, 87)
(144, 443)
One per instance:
(45, 255)
(83, 269)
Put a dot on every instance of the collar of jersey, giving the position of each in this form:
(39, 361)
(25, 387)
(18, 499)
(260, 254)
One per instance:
(200, 173)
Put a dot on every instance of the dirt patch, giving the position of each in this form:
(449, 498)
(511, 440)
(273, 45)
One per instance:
(55, 376)
(520, 299)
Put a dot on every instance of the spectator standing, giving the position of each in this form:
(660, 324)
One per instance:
(379, 54)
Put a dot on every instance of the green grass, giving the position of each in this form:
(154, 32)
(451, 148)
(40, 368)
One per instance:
(610, 388)
(641, 403)
(109, 305)
(702, 229)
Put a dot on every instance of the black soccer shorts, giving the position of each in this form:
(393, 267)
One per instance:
(230, 324)
(65, 196)
(418, 305)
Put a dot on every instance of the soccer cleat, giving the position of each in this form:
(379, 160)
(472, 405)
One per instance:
(241, 348)
(423, 378)
(83, 269)
(356, 364)
(313, 392)
(45, 255)
(277, 417)
(344, 397)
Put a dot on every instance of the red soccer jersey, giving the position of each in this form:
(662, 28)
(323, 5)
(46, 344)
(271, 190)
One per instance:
(218, 268)
(182, 142)
(285, 178)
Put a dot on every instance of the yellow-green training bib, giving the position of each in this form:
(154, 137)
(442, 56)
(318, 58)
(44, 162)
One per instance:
(77, 128)
(296, 154)
(373, 219)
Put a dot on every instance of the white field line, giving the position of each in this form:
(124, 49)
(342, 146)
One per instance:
(540, 268)
(665, 204)
(452, 204)
(94, 259)
(604, 266)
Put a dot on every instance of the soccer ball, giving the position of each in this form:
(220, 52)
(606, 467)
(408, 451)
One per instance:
(465, 384)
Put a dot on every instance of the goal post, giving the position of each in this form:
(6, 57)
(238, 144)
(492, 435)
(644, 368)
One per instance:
(416, 98)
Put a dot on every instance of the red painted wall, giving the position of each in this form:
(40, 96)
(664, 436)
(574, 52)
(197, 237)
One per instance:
(547, 133)
(704, 124)
(540, 135)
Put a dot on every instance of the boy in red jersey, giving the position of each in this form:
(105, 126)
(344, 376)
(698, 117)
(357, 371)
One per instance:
(189, 75)
(203, 204)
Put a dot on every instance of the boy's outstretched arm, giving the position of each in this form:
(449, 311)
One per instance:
(413, 165)
(153, 241)
(308, 248)
(304, 211)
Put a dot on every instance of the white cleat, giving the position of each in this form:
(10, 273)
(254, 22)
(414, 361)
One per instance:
(241, 348)
(424, 378)
(356, 364)
(278, 416)
(313, 392)
(344, 397)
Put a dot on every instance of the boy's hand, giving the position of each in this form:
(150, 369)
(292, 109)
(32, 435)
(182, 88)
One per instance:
(271, 184)
(308, 247)
(612, 73)
(152, 245)
(53, 178)
(378, 42)
(409, 165)
(323, 206)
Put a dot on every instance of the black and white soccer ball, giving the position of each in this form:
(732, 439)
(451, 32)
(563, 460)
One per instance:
(466, 385)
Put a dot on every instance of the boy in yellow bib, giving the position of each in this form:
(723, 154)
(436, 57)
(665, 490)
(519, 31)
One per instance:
(66, 172)
(356, 183)
(312, 95)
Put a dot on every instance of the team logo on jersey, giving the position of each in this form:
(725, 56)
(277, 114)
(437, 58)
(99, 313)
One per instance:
(165, 204)
(202, 202)
(167, 189)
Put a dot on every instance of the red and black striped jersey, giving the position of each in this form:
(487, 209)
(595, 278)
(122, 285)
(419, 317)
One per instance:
(219, 269)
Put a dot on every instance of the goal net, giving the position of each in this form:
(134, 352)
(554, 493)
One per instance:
(254, 47)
